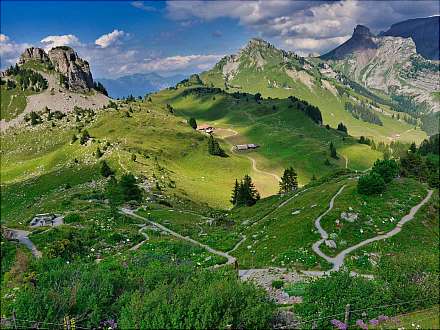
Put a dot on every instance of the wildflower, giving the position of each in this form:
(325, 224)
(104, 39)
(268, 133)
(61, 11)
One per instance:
(374, 322)
(361, 324)
(383, 318)
(339, 325)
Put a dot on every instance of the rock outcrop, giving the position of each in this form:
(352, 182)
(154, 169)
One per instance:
(73, 68)
(75, 71)
(33, 53)
(362, 39)
(424, 32)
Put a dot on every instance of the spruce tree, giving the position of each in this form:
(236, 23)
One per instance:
(235, 193)
(214, 147)
(289, 181)
(192, 122)
(106, 171)
(333, 151)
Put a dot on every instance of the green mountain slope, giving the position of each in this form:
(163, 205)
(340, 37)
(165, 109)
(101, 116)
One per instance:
(261, 68)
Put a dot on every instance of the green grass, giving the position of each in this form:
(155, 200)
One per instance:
(13, 102)
(284, 237)
(422, 319)
(376, 214)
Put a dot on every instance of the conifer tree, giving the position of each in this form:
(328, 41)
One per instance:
(333, 151)
(214, 147)
(235, 193)
(289, 181)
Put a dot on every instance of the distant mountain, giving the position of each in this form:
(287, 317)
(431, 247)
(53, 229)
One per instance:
(424, 32)
(138, 84)
(362, 39)
(389, 65)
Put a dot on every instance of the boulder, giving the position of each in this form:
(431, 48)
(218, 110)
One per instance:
(349, 216)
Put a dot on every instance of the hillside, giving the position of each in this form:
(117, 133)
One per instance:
(261, 68)
(66, 83)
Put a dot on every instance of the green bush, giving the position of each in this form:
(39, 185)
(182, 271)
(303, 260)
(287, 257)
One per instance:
(277, 284)
(387, 169)
(72, 218)
(371, 184)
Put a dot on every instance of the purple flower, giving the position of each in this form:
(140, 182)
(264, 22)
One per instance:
(339, 325)
(361, 324)
(374, 322)
(383, 318)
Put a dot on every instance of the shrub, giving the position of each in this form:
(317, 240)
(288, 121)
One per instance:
(72, 217)
(387, 169)
(371, 184)
(277, 284)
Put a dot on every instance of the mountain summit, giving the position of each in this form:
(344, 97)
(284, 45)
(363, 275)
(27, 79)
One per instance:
(361, 39)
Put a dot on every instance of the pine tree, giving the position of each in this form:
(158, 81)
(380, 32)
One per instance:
(192, 122)
(235, 193)
(106, 171)
(85, 136)
(98, 153)
(289, 181)
(333, 151)
(214, 147)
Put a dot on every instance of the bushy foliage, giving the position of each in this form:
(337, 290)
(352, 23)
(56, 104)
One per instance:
(106, 171)
(85, 136)
(333, 153)
(371, 184)
(430, 145)
(140, 293)
(387, 169)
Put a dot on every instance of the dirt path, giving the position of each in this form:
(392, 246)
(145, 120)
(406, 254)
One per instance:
(23, 237)
(230, 259)
(253, 160)
(141, 231)
(338, 260)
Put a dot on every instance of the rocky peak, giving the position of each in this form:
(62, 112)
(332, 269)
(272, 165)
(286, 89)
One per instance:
(75, 70)
(33, 53)
(361, 39)
(362, 31)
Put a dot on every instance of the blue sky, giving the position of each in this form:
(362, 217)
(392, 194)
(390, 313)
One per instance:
(125, 37)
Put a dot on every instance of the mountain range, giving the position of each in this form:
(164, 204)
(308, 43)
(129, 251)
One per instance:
(138, 84)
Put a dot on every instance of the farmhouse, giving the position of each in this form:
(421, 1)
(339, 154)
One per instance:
(242, 147)
(205, 128)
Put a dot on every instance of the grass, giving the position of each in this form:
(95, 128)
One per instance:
(376, 214)
(418, 239)
(13, 102)
(422, 319)
(285, 236)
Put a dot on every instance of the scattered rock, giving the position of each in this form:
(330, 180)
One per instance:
(330, 243)
(348, 216)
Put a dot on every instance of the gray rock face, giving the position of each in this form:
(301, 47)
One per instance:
(76, 70)
(33, 53)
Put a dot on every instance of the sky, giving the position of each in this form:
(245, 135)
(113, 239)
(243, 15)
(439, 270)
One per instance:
(180, 37)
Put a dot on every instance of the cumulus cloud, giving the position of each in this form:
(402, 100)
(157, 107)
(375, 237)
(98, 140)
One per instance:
(111, 38)
(304, 26)
(175, 63)
(61, 40)
(10, 51)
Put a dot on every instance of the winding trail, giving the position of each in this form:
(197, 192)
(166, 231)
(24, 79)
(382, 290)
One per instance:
(338, 260)
(230, 259)
(253, 160)
(23, 238)
(141, 231)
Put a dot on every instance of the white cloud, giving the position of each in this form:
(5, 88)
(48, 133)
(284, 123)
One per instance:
(174, 63)
(304, 26)
(143, 6)
(61, 40)
(10, 51)
(110, 39)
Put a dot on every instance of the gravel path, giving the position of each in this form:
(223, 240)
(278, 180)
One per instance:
(22, 237)
(338, 260)
(230, 259)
